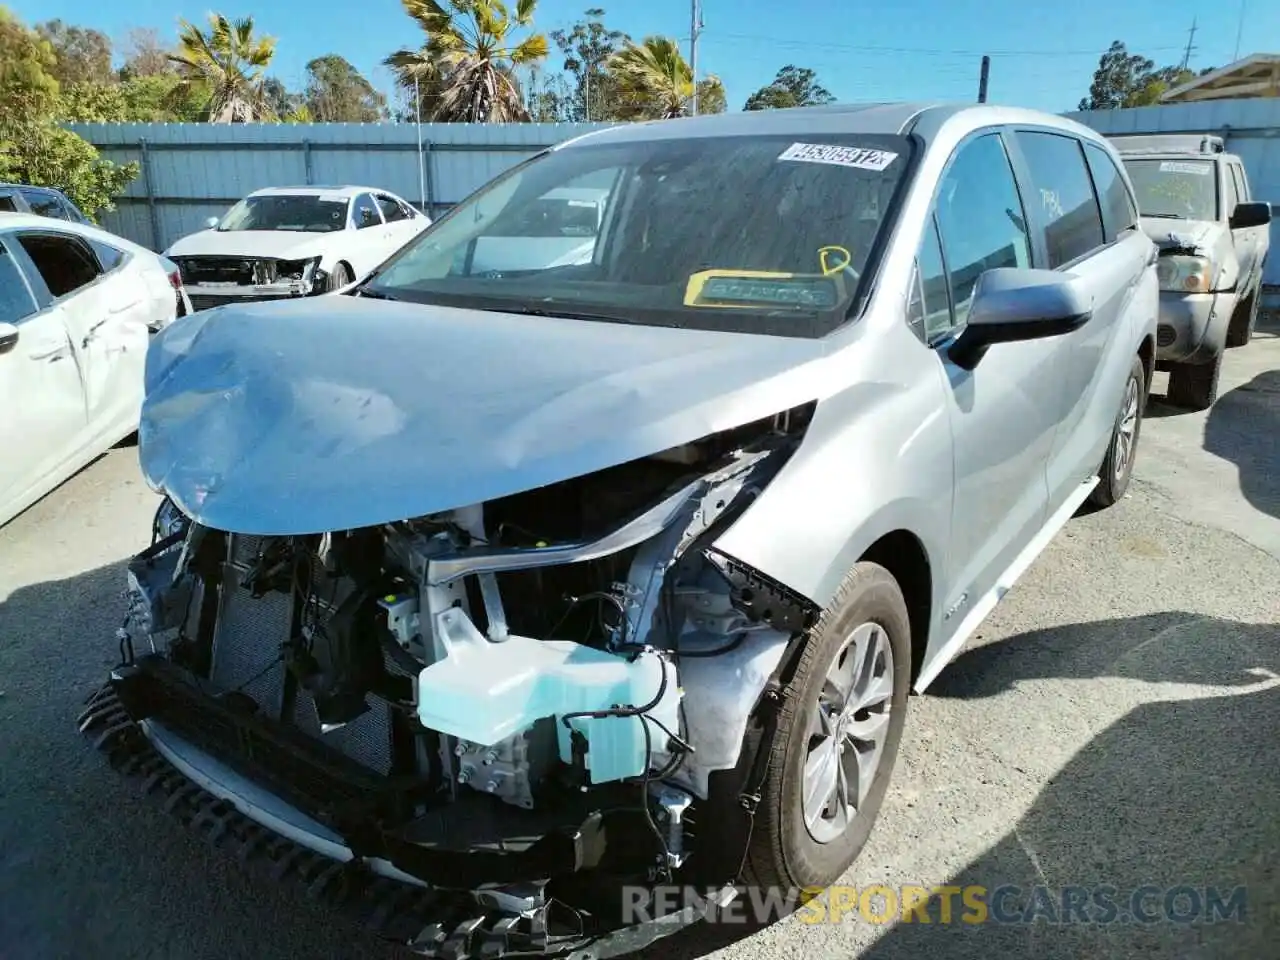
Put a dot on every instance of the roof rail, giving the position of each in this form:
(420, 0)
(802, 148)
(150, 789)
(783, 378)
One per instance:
(1195, 143)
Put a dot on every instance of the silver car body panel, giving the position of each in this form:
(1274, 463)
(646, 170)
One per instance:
(337, 412)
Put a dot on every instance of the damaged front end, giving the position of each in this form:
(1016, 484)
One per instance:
(480, 725)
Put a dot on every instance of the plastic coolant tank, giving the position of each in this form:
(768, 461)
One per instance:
(484, 692)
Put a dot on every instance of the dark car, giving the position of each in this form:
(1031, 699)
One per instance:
(42, 201)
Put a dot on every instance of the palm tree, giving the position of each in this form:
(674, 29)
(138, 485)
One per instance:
(655, 81)
(229, 62)
(469, 61)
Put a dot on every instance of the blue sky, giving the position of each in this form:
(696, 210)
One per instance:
(1043, 53)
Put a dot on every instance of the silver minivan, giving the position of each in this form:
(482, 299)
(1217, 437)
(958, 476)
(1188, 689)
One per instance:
(512, 588)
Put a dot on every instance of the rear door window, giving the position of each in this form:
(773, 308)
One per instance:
(66, 264)
(1062, 198)
(1119, 212)
(391, 211)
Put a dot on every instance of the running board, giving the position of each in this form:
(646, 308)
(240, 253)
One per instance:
(1004, 583)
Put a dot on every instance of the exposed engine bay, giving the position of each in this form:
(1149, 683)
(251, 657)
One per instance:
(493, 673)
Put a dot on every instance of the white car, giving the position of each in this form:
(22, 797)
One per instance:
(78, 306)
(287, 242)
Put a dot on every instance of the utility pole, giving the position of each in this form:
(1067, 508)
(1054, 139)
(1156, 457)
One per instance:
(1186, 57)
(694, 30)
(983, 76)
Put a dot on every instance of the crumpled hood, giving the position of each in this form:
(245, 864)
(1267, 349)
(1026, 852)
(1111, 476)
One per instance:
(1184, 234)
(285, 244)
(341, 412)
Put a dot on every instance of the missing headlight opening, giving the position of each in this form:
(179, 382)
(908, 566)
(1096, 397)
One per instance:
(492, 678)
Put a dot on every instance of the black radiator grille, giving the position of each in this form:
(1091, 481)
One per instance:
(247, 650)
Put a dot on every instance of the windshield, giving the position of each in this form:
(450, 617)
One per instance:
(300, 212)
(1184, 189)
(752, 234)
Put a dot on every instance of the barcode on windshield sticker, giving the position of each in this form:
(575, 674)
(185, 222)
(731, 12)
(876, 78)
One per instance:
(1173, 166)
(859, 158)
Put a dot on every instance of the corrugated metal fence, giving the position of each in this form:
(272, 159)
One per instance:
(193, 171)
(1251, 129)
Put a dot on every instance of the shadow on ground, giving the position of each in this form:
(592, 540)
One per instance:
(1244, 428)
(1183, 790)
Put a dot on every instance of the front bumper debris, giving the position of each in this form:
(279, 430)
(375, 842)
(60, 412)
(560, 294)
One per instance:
(451, 924)
(1193, 326)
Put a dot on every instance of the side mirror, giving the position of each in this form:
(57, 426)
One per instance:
(211, 222)
(8, 337)
(1011, 304)
(1252, 214)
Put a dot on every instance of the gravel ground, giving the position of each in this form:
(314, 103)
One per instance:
(1114, 723)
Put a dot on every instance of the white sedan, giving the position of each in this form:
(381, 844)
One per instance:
(77, 309)
(294, 242)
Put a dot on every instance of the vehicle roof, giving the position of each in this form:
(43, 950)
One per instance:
(4, 185)
(845, 118)
(346, 191)
(21, 221)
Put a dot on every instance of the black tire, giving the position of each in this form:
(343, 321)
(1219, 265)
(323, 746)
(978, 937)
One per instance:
(1194, 386)
(783, 855)
(1117, 465)
(339, 278)
(1243, 321)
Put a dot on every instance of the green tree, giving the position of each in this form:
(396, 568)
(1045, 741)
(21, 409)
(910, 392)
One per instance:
(1124, 79)
(230, 62)
(83, 55)
(33, 147)
(338, 93)
(792, 87)
(655, 82)
(471, 55)
(587, 48)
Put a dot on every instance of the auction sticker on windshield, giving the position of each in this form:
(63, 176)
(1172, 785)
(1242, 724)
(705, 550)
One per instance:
(860, 158)
(1173, 166)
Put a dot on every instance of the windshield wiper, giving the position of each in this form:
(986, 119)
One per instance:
(525, 310)
(372, 294)
(1165, 216)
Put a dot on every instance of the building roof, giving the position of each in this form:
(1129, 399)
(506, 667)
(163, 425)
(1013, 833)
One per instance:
(1257, 75)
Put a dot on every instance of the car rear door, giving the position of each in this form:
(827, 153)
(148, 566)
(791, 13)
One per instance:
(1116, 260)
(43, 420)
(107, 308)
(1004, 412)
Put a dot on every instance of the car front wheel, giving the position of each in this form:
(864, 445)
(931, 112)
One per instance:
(1117, 466)
(837, 737)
